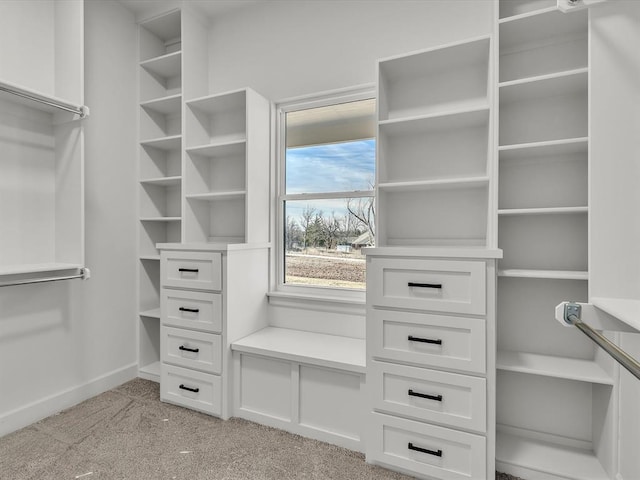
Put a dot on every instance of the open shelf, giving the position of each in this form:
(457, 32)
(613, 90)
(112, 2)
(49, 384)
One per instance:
(436, 122)
(548, 274)
(163, 181)
(217, 119)
(153, 313)
(553, 366)
(169, 105)
(543, 211)
(212, 196)
(550, 85)
(542, 42)
(171, 142)
(435, 80)
(626, 310)
(550, 458)
(160, 36)
(550, 148)
(515, 9)
(165, 66)
(452, 183)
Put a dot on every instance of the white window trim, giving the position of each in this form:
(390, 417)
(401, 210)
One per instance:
(340, 296)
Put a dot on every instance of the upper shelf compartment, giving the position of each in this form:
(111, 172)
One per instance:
(521, 7)
(160, 36)
(441, 80)
(217, 119)
(542, 42)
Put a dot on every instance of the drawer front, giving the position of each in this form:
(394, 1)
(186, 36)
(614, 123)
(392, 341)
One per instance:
(186, 348)
(193, 270)
(197, 390)
(427, 450)
(450, 342)
(451, 286)
(445, 398)
(187, 309)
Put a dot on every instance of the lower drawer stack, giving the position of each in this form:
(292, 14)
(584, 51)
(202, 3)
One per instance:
(431, 363)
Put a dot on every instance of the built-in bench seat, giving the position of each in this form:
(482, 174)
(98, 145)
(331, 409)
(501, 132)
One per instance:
(332, 351)
(307, 383)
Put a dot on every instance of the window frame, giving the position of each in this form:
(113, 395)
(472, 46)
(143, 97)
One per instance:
(365, 92)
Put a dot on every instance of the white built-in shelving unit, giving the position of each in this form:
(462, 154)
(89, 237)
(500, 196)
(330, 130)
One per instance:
(554, 387)
(434, 161)
(159, 170)
(203, 160)
(42, 149)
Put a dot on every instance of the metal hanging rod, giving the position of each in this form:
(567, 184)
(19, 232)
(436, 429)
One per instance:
(572, 313)
(83, 274)
(81, 110)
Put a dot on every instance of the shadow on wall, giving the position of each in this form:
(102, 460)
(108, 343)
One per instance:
(26, 310)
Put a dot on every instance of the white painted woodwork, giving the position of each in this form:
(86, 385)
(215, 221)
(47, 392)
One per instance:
(192, 270)
(462, 399)
(174, 382)
(229, 293)
(434, 105)
(462, 339)
(196, 310)
(463, 455)
(453, 286)
(411, 348)
(191, 349)
(331, 351)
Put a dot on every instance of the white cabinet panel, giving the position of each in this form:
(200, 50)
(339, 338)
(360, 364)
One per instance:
(197, 270)
(188, 388)
(425, 339)
(437, 285)
(191, 349)
(198, 310)
(445, 398)
(429, 450)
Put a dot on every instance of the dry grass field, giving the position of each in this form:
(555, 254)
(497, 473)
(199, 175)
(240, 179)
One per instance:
(327, 269)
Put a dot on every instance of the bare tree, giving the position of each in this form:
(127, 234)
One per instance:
(363, 210)
(331, 229)
(293, 233)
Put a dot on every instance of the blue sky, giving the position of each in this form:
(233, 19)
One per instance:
(331, 167)
(328, 168)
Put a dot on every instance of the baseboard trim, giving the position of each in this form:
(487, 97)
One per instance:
(35, 411)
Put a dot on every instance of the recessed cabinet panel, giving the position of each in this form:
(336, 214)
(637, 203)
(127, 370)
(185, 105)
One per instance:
(191, 349)
(436, 285)
(445, 398)
(186, 309)
(188, 388)
(455, 343)
(429, 450)
(196, 270)
(266, 386)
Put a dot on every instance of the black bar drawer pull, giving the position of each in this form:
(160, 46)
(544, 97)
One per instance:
(425, 285)
(190, 310)
(187, 349)
(189, 389)
(436, 453)
(437, 398)
(188, 270)
(435, 341)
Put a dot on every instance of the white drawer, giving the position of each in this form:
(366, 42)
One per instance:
(438, 285)
(446, 398)
(455, 343)
(427, 450)
(199, 310)
(197, 270)
(186, 348)
(197, 390)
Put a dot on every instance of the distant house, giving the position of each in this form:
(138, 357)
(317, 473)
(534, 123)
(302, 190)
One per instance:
(364, 240)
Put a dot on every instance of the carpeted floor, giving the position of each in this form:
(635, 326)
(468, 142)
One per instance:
(127, 433)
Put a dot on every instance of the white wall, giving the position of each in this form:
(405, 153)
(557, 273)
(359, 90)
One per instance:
(288, 48)
(285, 49)
(65, 341)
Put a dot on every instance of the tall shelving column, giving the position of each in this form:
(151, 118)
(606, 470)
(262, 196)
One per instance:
(554, 387)
(159, 170)
(434, 170)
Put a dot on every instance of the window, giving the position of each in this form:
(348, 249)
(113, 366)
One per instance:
(326, 199)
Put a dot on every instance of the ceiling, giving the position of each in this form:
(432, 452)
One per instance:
(211, 8)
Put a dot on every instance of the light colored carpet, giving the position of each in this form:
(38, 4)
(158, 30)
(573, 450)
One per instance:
(127, 433)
